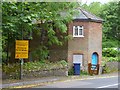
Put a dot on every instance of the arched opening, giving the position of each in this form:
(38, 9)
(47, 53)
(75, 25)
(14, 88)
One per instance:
(93, 67)
(94, 59)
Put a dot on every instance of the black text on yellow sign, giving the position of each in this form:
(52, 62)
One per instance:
(21, 50)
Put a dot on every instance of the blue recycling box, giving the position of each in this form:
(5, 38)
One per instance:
(76, 68)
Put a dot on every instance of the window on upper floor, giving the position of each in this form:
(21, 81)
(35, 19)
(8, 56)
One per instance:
(78, 31)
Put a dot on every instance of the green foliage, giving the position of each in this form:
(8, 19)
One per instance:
(0, 44)
(109, 52)
(110, 55)
(12, 70)
(44, 65)
(71, 71)
(4, 56)
(83, 73)
(111, 26)
(109, 12)
(19, 16)
(109, 59)
(107, 70)
(63, 62)
(109, 43)
(94, 7)
(105, 60)
(40, 53)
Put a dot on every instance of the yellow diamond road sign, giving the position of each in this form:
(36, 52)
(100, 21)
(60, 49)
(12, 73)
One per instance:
(21, 49)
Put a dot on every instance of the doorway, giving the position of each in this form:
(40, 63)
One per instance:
(95, 58)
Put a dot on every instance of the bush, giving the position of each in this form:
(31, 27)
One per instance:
(110, 59)
(71, 71)
(109, 52)
(109, 43)
(84, 73)
(44, 64)
(106, 69)
(12, 70)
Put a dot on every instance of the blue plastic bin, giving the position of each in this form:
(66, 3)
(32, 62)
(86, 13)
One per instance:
(76, 68)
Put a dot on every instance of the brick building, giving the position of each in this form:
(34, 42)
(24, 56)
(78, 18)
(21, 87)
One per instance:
(86, 43)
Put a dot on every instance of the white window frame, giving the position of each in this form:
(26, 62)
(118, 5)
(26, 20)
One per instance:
(79, 27)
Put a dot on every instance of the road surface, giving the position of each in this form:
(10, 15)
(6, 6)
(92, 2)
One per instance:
(111, 82)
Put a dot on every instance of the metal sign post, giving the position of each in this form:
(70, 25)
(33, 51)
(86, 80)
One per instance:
(21, 68)
(21, 53)
(22, 50)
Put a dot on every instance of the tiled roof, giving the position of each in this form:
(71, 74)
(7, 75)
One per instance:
(85, 15)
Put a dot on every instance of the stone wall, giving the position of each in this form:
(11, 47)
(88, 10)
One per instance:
(38, 73)
(46, 73)
(113, 65)
(109, 67)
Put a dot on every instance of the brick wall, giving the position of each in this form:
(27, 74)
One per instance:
(95, 40)
(78, 45)
(87, 45)
(58, 52)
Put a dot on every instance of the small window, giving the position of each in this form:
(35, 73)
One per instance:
(78, 31)
(78, 59)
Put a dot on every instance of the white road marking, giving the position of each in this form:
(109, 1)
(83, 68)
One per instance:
(109, 85)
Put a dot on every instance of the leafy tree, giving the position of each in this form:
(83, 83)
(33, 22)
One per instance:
(18, 21)
(109, 12)
(111, 25)
(94, 7)
(110, 15)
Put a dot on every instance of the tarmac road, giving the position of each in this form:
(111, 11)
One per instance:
(109, 82)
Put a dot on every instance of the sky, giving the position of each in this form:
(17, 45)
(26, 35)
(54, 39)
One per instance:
(89, 1)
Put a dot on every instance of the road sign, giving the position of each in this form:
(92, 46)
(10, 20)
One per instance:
(21, 49)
